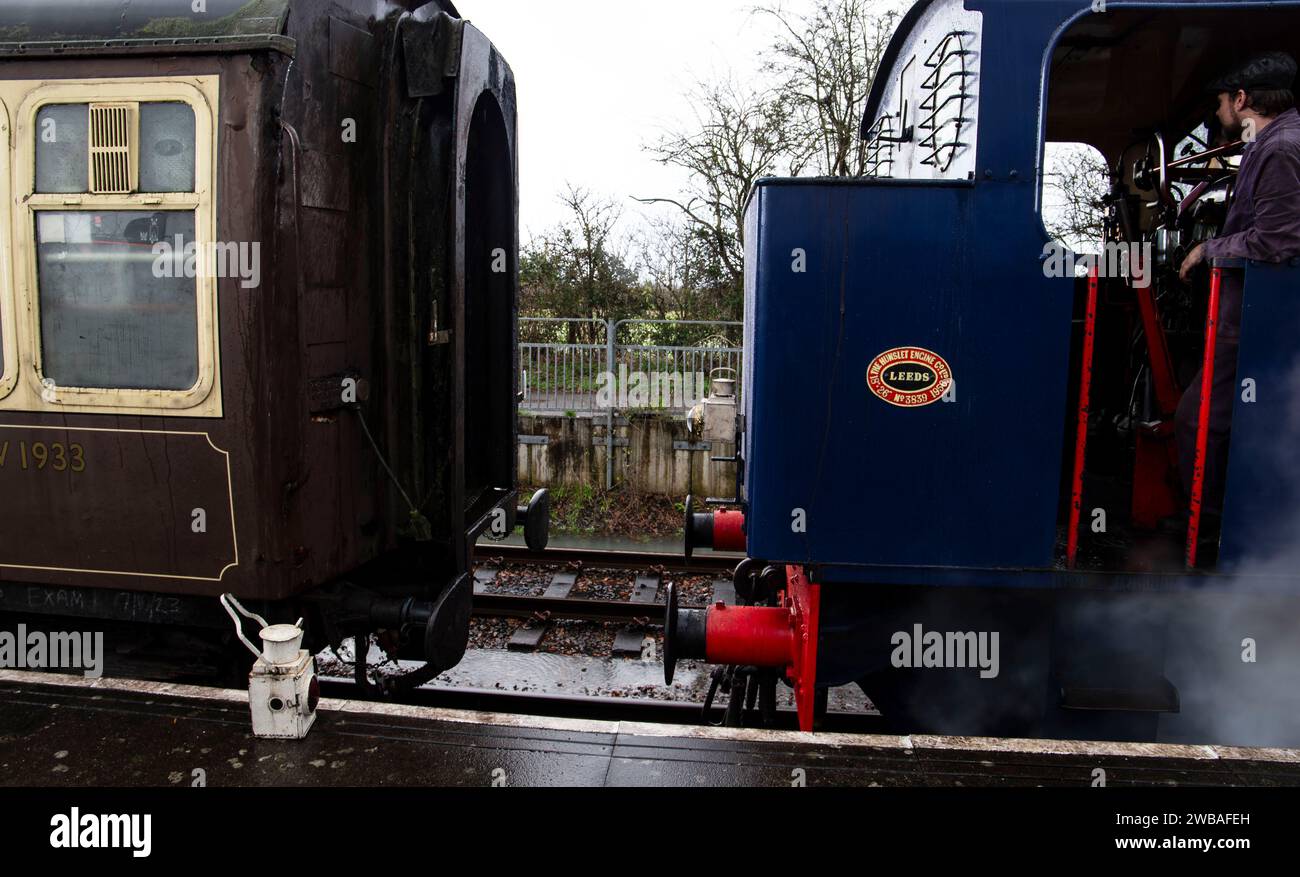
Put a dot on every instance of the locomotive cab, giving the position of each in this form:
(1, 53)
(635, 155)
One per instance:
(258, 322)
(937, 469)
(1141, 332)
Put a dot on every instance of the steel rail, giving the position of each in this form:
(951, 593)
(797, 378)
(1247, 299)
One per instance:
(701, 564)
(568, 609)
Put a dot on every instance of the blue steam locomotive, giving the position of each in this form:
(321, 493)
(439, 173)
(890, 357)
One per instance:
(958, 478)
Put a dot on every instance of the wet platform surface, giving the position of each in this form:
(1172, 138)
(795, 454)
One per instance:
(76, 733)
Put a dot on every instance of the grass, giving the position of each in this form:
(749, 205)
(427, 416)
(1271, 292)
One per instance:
(591, 511)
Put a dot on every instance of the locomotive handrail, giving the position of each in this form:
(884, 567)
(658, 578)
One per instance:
(880, 146)
(934, 106)
(1200, 463)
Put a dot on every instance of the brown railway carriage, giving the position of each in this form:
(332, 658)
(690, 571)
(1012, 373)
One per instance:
(257, 311)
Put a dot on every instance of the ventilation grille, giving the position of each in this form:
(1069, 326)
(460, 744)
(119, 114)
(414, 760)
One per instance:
(113, 138)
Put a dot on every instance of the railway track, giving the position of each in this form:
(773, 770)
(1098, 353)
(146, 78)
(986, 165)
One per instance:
(642, 614)
(566, 577)
(565, 567)
(566, 609)
(701, 564)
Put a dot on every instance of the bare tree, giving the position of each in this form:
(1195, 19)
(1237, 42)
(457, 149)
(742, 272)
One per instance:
(825, 62)
(581, 267)
(806, 118)
(682, 279)
(740, 135)
(1075, 180)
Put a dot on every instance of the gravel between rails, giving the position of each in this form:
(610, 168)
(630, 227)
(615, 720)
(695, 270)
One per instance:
(595, 583)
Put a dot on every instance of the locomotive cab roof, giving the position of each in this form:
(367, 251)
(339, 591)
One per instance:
(1112, 74)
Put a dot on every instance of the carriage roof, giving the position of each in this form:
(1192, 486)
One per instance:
(90, 27)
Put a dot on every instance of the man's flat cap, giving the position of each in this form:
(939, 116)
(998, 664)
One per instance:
(1270, 71)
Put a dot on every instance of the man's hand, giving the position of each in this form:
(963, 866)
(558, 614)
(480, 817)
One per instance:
(1194, 258)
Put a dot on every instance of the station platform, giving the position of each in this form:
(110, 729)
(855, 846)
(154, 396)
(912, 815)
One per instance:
(72, 732)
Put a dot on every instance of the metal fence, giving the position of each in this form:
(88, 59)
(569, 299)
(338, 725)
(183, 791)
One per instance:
(588, 367)
(561, 362)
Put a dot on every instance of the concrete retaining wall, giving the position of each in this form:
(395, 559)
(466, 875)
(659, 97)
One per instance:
(649, 455)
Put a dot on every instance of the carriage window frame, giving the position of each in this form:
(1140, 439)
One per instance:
(27, 389)
(8, 303)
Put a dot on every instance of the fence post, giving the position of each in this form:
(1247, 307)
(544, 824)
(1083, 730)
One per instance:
(611, 371)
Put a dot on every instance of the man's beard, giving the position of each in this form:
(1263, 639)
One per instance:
(1233, 132)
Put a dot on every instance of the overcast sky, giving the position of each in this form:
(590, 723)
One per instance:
(599, 79)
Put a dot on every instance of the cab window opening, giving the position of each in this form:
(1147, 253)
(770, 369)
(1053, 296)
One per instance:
(1075, 182)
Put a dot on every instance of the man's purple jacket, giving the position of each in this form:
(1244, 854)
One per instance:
(1264, 222)
(1263, 225)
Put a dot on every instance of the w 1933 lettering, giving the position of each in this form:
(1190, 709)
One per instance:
(39, 456)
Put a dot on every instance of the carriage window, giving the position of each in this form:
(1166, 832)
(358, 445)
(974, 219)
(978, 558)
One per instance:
(161, 133)
(62, 144)
(113, 223)
(113, 314)
(166, 147)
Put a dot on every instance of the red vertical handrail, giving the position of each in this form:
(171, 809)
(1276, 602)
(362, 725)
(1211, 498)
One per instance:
(1085, 404)
(1203, 421)
(1167, 392)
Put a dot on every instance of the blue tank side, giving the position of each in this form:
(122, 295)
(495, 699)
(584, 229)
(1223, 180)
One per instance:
(973, 482)
(1261, 512)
